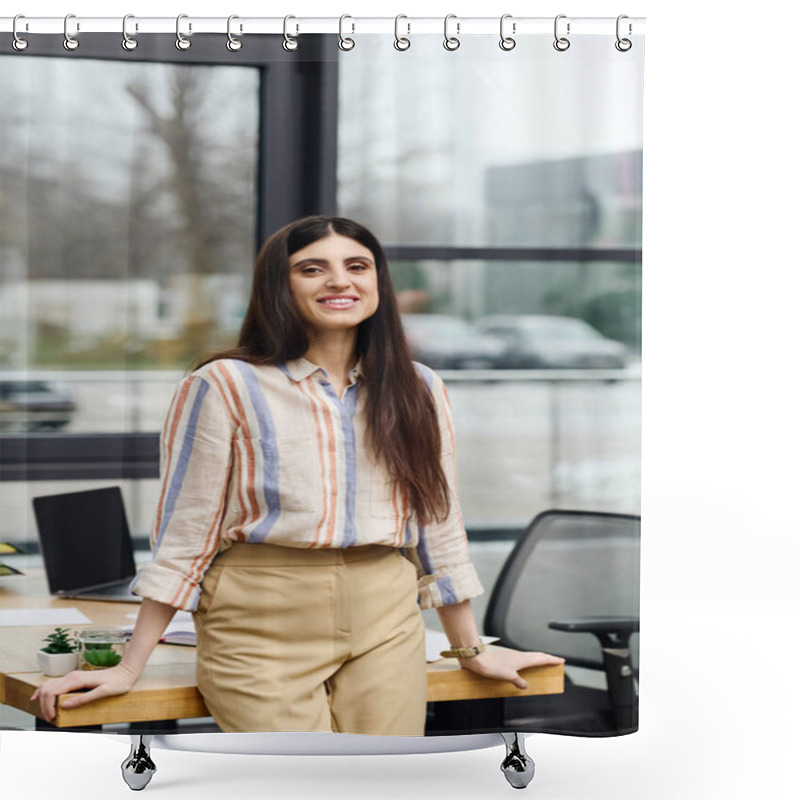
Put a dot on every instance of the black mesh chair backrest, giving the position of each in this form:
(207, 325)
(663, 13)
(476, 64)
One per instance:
(567, 564)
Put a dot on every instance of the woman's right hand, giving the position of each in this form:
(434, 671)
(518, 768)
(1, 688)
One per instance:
(101, 682)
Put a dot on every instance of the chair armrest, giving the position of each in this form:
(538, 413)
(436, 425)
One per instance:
(621, 627)
(614, 634)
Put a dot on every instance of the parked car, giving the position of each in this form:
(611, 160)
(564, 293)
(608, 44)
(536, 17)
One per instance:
(547, 342)
(444, 342)
(34, 405)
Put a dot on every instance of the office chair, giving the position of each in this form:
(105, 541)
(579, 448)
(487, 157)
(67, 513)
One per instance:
(570, 587)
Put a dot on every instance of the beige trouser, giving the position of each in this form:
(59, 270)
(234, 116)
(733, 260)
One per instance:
(293, 639)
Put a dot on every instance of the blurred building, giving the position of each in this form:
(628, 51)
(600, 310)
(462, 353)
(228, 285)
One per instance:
(591, 201)
(81, 313)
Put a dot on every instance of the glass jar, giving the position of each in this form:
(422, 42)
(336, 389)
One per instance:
(101, 648)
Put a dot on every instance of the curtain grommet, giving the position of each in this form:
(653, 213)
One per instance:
(290, 43)
(401, 43)
(70, 42)
(128, 42)
(622, 44)
(346, 43)
(561, 43)
(451, 43)
(233, 44)
(181, 42)
(507, 43)
(19, 44)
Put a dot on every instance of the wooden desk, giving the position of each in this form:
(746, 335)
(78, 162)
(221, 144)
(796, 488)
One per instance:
(167, 688)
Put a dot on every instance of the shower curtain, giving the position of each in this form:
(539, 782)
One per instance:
(505, 184)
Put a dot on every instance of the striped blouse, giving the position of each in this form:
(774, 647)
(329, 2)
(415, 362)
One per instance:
(272, 454)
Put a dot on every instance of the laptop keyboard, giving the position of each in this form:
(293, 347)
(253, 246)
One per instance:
(117, 590)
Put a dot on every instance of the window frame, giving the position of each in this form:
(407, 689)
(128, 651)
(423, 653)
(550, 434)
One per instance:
(296, 176)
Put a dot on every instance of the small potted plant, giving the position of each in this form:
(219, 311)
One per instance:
(100, 648)
(60, 655)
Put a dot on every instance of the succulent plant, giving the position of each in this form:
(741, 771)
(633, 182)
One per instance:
(59, 641)
(101, 655)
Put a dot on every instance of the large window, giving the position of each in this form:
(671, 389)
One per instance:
(135, 192)
(490, 149)
(512, 207)
(128, 215)
(127, 235)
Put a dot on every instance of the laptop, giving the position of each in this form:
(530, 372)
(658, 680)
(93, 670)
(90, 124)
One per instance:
(86, 545)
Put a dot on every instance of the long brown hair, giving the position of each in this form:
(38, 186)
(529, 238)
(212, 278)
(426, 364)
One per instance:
(401, 421)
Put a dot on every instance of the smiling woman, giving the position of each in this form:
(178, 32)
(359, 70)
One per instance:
(308, 509)
(334, 284)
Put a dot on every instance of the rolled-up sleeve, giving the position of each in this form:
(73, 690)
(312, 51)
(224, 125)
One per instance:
(444, 567)
(195, 464)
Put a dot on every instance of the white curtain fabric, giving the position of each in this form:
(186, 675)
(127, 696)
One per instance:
(506, 185)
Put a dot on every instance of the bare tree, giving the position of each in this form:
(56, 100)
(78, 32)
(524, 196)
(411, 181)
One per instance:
(180, 130)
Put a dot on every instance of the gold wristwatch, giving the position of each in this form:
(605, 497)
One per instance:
(464, 652)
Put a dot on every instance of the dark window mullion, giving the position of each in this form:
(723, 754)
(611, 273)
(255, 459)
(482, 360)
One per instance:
(298, 137)
(433, 253)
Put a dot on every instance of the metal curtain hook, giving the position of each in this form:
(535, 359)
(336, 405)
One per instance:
(401, 42)
(623, 45)
(70, 42)
(233, 44)
(19, 43)
(288, 42)
(561, 43)
(345, 42)
(182, 43)
(128, 42)
(506, 42)
(451, 42)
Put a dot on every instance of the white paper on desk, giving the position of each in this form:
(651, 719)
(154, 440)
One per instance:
(179, 631)
(43, 616)
(184, 617)
(436, 641)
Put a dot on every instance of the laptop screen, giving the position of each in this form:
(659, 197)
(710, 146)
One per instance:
(84, 539)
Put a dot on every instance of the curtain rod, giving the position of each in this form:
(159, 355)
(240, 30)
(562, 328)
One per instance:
(348, 25)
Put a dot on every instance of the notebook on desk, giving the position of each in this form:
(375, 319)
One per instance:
(86, 545)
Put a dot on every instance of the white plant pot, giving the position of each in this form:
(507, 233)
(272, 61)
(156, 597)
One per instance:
(56, 664)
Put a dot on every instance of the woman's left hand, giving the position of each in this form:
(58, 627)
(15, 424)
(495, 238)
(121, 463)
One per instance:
(503, 665)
